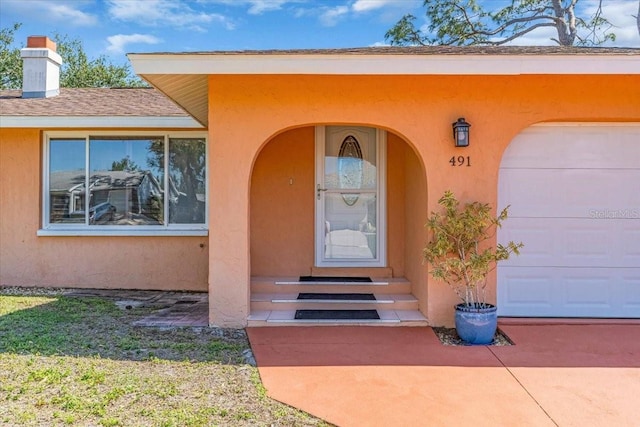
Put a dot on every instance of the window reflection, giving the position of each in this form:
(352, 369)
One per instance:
(66, 181)
(126, 181)
(187, 167)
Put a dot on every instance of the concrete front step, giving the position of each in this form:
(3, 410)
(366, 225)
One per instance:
(287, 318)
(292, 285)
(274, 301)
(386, 272)
(290, 301)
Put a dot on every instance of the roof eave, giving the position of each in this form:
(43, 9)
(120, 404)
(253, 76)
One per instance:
(384, 64)
(157, 66)
(129, 122)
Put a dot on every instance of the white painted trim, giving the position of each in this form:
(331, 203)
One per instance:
(41, 53)
(381, 143)
(89, 132)
(109, 232)
(320, 134)
(381, 155)
(383, 64)
(585, 124)
(44, 122)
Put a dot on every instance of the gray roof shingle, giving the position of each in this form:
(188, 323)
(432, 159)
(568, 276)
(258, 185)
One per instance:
(96, 102)
(428, 50)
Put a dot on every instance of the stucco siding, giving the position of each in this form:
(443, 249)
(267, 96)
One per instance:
(261, 178)
(246, 111)
(282, 205)
(168, 263)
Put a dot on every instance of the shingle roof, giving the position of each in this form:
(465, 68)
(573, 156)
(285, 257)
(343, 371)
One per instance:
(93, 102)
(429, 50)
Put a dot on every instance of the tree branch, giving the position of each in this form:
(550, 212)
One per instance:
(520, 20)
(523, 32)
(638, 18)
(456, 22)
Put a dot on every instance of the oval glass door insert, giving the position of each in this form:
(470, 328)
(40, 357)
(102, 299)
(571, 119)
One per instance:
(350, 172)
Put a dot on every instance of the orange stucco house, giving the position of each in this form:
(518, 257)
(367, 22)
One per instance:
(243, 172)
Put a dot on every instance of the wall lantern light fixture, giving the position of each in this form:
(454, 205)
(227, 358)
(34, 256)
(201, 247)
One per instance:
(461, 133)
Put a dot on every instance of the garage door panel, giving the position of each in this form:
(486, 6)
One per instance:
(587, 245)
(528, 192)
(587, 292)
(572, 193)
(528, 288)
(540, 242)
(631, 245)
(595, 147)
(630, 298)
(573, 242)
(569, 292)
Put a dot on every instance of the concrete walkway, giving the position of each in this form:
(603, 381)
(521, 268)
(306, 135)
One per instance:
(171, 309)
(554, 375)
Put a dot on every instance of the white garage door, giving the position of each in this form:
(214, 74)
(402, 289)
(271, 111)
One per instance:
(574, 193)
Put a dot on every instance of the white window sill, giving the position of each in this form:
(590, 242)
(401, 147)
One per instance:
(45, 232)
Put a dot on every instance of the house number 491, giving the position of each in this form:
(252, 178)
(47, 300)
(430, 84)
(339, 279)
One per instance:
(460, 161)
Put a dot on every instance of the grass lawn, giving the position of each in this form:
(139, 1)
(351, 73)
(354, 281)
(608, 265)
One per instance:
(79, 362)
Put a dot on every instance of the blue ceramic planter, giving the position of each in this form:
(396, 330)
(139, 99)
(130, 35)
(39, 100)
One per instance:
(476, 325)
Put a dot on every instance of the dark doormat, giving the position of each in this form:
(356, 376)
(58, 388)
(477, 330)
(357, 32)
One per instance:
(334, 279)
(337, 315)
(350, 297)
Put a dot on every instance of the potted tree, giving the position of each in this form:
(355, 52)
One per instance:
(460, 255)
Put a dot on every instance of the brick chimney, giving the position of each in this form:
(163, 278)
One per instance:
(40, 68)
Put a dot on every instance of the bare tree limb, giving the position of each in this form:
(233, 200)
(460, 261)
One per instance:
(596, 18)
(522, 33)
(638, 18)
(467, 22)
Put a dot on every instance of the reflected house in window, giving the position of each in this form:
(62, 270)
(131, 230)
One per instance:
(126, 177)
(116, 197)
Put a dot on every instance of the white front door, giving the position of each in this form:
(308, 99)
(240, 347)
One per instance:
(350, 197)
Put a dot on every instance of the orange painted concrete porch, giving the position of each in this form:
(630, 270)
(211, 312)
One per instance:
(562, 374)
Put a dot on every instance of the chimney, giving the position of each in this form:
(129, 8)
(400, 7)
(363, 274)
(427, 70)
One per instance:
(40, 68)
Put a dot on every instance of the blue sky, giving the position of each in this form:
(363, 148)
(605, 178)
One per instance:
(116, 27)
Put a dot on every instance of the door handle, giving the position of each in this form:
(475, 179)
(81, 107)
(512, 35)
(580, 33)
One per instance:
(319, 190)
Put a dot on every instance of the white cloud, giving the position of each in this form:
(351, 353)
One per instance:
(67, 12)
(330, 16)
(386, 10)
(174, 13)
(256, 7)
(367, 5)
(64, 13)
(260, 6)
(118, 42)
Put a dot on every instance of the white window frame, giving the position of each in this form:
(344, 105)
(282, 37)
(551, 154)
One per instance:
(49, 229)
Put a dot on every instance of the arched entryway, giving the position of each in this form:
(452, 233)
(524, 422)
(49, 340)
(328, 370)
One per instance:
(283, 216)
